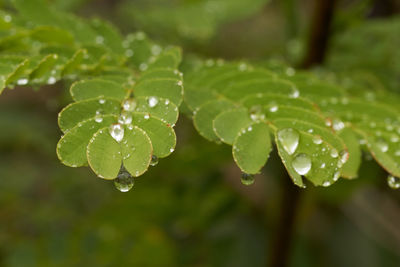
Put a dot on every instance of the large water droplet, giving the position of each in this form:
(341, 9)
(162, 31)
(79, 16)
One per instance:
(117, 132)
(247, 179)
(124, 181)
(302, 164)
(154, 161)
(153, 101)
(289, 139)
(393, 182)
(129, 105)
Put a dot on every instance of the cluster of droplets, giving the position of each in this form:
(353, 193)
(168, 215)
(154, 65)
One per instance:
(289, 139)
(124, 180)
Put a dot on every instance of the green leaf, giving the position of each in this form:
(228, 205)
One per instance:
(80, 111)
(95, 88)
(350, 168)
(164, 109)
(203, 118)
(227, 125)
(71, 149)
(105, 155)
(252, 147)
(161, 134)
(171, 89)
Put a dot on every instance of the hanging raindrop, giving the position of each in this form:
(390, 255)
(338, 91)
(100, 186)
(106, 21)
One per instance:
(302, 164)
(247, 179)
(124, 181)
(154, 161)
(393, 182)
(289, 139)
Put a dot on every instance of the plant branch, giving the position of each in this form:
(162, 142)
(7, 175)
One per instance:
(320, 29)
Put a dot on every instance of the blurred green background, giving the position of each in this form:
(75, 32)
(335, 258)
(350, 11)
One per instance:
(191, 210)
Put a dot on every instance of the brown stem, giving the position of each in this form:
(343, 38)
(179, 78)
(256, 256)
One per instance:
(282, 242)
(319, 33)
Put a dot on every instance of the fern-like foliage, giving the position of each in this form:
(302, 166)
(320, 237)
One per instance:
(319, 128)
(126, 90)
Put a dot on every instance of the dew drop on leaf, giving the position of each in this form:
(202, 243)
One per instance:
(289, 139)
(393, 182)
(382, 145)
(256, 113)
(334, 153)
(129, 105)
(98, 118)
(154, 161)
(247, 179)
(153, 101)
(302, 164)
(124, 181)
(317, 140)
(117, 132)
(125, 118)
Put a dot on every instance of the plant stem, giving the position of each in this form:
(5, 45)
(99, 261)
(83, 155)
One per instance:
(319, 33)
(282, 242)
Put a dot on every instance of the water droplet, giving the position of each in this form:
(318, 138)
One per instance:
(179, 83)
(344, 156)
(154, 161)
(102, 101)
(336, 176)
(242, 66)
(98, 118)
(256, 113)
(129, 52)
(302, 164)
(247, 179)
(334, 153)
(117, 132)
(171, 150)
(311, 130)
(146, 116)
(250, 129)
(273, 108)
(326, 184)
(143, 66)
(124, 181)
(156, 50)
(295, 93)
(289, 139)
(22, 81)
(328, 122)
(393, 182)
(166, 101)
(290, 71)
(382, 145)
(7, 18)
(394, 138)
(317, 140)
(51, 80)
(152, 101)
(99, 39)
(323, 165)
(338, 125)
(125, 118)
(129, 105)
